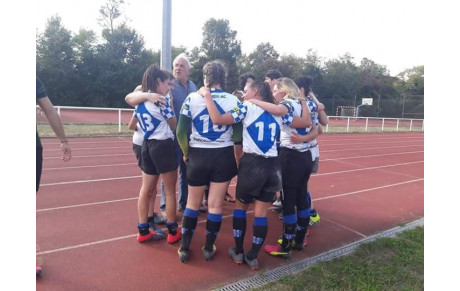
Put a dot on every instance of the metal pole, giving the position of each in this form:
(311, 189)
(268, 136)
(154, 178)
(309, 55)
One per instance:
(119, 120)
(404, 102)
(165, 63)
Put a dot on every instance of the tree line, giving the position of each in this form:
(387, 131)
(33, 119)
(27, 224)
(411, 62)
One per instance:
(81, 70)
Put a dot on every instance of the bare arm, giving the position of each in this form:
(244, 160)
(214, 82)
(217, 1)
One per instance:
(304, 120)
(297, 138)
(214, 114)
(322, 116)
(56, 124)
(132, 125)
(172, 122)
(137, 97)
(275, 109)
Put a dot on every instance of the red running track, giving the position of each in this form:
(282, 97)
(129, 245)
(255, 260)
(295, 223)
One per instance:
(87, 213)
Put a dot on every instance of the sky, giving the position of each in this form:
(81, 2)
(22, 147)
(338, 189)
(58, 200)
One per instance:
(387, 32)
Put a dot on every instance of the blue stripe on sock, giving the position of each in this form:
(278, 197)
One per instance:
(239, 213)
(191, 213)
(143, 225)
(303, 213)
(260, 221)
(290, 219)
(171, 223)
(215, 217)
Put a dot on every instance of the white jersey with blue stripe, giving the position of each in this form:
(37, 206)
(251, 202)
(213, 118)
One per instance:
(138, 135)
(205, 134)
(152, 120)
(287, 131)
(261, 130)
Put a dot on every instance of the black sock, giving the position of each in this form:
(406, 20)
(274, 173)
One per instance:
(172, 227)
(212, 230)
(143, 228)
(188, 227)
(260, 228)
(239, 229)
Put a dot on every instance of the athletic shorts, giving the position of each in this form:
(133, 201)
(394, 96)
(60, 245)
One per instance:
(258, 178)
(295, 167)
(158, 156)
(137, 149)
(210, 165)
(39, 166)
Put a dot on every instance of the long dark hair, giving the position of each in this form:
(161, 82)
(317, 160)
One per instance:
(215, 74)
(150, 77)
(264, 91)
(305, 83)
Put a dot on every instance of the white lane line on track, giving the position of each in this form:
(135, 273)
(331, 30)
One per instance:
(101, 202)
(139, 176)
(368, 168)
(94, 156)
(87, 204)
(90, 181)
(371, 148)
(370, 156)
(345, 227)
(370, 189)
(94, 166)
(78, 149)
(224, 217)
(354, 157)
(117, 238)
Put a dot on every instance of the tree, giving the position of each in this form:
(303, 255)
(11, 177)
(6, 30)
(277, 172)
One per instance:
(263, 58)
(56, 62)
(220, 43)
(109, 13)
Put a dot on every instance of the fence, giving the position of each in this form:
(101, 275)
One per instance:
(91, 121)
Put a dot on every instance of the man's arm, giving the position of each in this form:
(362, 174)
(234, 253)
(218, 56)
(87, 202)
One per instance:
(181, 134)
(56, 124)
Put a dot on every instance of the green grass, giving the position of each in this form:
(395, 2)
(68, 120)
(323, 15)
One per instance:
(385, 264)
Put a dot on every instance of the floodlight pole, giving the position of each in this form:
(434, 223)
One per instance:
(165, 62)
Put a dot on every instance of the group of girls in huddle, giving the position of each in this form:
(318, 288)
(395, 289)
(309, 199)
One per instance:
(218, 120)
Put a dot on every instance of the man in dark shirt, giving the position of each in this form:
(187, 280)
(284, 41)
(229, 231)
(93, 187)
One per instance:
(55, 121)
(182, 87)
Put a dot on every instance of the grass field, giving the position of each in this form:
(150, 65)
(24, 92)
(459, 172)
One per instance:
(385, 264)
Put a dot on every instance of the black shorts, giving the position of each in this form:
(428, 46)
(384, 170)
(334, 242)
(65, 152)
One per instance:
(39, 166)
(258, 178)
(158, 156)
(210, 165)
(137, 149)
(295, 167)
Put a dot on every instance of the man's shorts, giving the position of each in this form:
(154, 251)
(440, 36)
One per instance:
(210, 165)
(258, 178)
(137, 149)
(158, 156)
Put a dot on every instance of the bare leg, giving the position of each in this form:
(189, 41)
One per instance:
(149, 184)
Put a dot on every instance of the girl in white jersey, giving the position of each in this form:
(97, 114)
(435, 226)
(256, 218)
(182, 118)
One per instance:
(259, 173)
(319, 117)
(296, 164)
(209, 156)
(157, 155)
